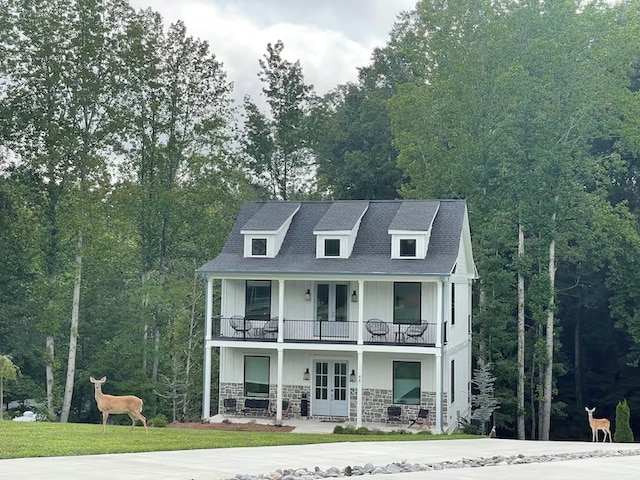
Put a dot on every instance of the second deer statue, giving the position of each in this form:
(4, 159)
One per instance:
(598, 424)
(129, 404)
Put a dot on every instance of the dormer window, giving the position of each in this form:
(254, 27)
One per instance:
(332, 247)
(408, 247)
(258, 247)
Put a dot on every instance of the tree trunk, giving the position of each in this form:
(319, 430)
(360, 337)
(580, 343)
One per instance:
(192, 327)
(49, 376)
(548, 374)
(577, 363)
(521, 376)
(73, 336)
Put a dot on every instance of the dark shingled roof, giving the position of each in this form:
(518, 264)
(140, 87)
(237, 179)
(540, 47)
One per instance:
(415, 216)
(271, 216)
(341, 216)
(372, 250)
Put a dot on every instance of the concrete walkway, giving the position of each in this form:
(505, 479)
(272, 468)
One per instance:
(225, 463)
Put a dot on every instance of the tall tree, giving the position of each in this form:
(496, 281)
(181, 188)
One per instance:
(278, 156)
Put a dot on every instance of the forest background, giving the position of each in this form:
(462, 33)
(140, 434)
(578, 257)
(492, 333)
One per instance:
(123, 162)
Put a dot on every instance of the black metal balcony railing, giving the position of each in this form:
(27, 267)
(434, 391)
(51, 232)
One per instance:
(238, 328)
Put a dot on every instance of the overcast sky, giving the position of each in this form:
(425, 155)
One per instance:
(331, 38)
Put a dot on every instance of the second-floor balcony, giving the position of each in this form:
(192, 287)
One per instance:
(374, 331)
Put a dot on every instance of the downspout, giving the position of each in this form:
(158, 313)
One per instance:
(442, 337)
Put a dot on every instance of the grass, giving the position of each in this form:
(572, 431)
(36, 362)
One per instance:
(45, 439)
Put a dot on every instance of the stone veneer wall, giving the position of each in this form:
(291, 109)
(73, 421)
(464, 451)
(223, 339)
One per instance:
(374, 402)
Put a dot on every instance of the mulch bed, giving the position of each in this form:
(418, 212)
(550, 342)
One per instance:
(244, 427)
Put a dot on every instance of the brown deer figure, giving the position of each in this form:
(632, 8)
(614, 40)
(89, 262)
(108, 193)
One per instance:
(129, 404)
(598, 424)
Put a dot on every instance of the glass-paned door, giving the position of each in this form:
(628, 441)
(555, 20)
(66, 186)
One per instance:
(330, 385)
(332, 310)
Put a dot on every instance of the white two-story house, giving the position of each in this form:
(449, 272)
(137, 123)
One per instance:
(344, 308)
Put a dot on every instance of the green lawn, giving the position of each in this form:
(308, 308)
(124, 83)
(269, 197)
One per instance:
(44, 439)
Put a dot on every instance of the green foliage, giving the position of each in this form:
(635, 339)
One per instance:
(159, 420)
(623, 431)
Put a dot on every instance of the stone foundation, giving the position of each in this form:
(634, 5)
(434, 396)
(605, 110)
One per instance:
(374, 403)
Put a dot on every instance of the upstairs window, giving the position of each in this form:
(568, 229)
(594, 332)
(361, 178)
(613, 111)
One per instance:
(406, 302)
(258, 300)
(408, 247)
(259, 247)
(332, 247)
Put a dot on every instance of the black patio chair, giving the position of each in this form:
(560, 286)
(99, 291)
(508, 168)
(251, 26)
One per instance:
(415, 332)
(422, 419)
(230, 405)
(378, 329)
(394, 414)
(240, 325)
(270, 329)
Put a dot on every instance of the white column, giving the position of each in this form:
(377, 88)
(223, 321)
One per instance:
(359, 390)
(360, 313)
(280, 313)
(206, 393)
(279, 385)
(439, 411)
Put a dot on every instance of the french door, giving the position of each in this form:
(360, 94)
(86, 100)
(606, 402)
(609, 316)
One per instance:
(330, 383)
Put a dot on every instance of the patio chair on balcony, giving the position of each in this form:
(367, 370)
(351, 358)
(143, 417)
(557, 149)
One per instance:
(270, 329)
(240, 325)
(378, 329)
(415, 332)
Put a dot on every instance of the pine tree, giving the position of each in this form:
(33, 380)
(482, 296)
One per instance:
(483, 403)
(623, 428)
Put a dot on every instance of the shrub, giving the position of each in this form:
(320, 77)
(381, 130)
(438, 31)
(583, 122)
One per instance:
(623, 428)
(338, 429)
(159, 420)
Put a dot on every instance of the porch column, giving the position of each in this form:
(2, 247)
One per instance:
(280, 315)
(279, 384)
(359, 387)
(206, 391)
(441, 316)
(360, 314)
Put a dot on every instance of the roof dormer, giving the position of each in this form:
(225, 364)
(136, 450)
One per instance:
(410, 229)
(266, 230)
(337, 230)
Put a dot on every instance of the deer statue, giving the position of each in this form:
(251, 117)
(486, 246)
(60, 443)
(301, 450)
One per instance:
(598, 424)
(129, 404)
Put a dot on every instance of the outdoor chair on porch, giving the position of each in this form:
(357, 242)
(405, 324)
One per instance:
(394, 413)
(422, 419)
(286, 409)
(378, 329)
(270, 329)
(240, 325)
(230, 405)
(415, 332)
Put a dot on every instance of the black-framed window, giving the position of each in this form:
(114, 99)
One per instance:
(453, 304)
(452, 386)
(406, 383)
(406, 302)
(407, 247)
(332, 247)
(258, 300)
(259, 247)
(256, 376)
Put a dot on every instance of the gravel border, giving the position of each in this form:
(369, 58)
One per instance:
(406, 467)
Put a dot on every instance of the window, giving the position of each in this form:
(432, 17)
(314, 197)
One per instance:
(256, 377)
(332, 247)
(408, 247)
(406, 383)
(259, 247)
(406, 304)
(258, 300)
(453, 304)
(452, 385)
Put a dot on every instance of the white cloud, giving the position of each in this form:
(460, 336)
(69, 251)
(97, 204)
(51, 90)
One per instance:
(331, 38)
